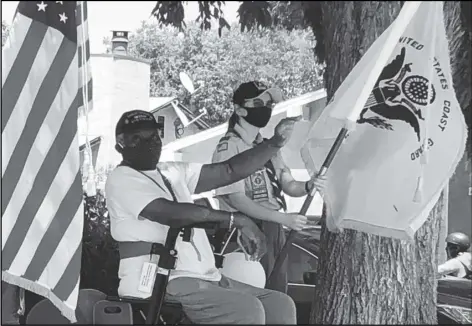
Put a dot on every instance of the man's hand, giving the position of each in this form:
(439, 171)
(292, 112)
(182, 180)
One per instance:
(283, 131)
(293, 221)
(319, 182)
(252, 238)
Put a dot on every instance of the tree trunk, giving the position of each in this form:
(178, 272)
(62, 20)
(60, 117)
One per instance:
(367, 279)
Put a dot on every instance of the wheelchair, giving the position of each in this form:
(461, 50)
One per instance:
(95, 307)
(152, 311)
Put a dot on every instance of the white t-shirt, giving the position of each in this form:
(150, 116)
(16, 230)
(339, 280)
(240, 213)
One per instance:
(128, 192)
(457, 266)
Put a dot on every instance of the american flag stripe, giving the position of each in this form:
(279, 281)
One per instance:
(42, 145)
(42, 86)
(72, 239)
(48, 212)
(41, 184)
(22, 108)
(85, 69)
(20, 69)
(9, 53)
(70, 278)
(56, 230)
(86, 93)
(41, 107)
(87, 53)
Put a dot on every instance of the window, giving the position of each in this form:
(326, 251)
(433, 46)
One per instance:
(160, 123)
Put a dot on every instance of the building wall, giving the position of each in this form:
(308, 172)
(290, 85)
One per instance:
(95, 147)
(173, 128)
(121, 83)
(460, 199)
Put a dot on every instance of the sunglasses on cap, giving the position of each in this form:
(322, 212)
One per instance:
(148, 134)
(269, 98)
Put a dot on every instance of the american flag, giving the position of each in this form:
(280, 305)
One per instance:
(45, 83)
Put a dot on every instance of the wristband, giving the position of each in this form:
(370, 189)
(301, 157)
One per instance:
(231, 221)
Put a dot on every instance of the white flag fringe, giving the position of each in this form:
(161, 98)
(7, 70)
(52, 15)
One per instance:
(381, 165)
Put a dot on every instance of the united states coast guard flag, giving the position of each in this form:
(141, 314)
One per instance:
(42, 92)
(406, 136)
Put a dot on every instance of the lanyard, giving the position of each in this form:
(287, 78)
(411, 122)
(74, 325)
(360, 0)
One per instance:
(187, 232)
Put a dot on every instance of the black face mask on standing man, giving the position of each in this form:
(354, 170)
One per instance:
(258, 117)
(258, 100)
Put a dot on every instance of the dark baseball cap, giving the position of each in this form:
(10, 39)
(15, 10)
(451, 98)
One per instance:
(135, 120)
(253, 89)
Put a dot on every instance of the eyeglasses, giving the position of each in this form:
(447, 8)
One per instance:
(267, 99)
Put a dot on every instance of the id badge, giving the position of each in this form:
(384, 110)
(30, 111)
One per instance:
(148, 277)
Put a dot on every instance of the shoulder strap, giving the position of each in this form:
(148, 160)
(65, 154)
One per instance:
(468, 272)
(166, 181)
(168, 185)
(187, 233)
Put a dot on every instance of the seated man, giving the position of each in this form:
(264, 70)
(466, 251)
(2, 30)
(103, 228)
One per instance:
(145, 198)
(459, 262)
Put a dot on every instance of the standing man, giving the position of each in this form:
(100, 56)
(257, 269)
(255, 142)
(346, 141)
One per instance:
(260, 195)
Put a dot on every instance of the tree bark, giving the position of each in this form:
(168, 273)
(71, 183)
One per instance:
(367, 279)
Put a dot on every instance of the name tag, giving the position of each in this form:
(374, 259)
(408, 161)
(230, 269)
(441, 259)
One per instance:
(148, 277)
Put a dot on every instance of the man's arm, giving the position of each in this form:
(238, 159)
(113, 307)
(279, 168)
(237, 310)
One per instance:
(177, 215)
(245, 205)
(216, 175)
(240, 166)
(295, 188)
(290, 186)
(449, 267)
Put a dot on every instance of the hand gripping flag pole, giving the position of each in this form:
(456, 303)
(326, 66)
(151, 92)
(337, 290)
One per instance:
(398, 27)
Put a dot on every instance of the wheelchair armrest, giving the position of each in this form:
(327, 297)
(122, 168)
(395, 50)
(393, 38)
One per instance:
(130, 300)
(140, 301)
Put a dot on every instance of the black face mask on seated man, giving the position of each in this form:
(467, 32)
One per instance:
(138, 141)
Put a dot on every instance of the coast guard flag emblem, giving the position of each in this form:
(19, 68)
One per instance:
(406, 140)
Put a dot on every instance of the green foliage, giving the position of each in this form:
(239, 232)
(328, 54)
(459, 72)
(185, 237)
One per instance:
(288, 14)
(252, 15)
(100, 256)
(5, 31)
(277, 57)
(171, 13)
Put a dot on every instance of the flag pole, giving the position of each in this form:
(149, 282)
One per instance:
(400, 24)
(324, 168)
